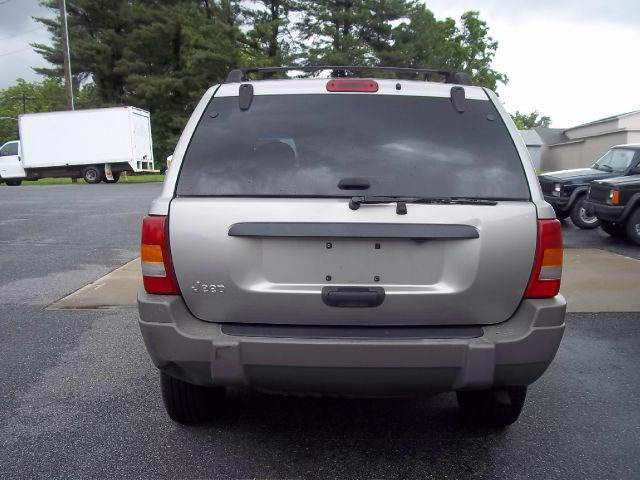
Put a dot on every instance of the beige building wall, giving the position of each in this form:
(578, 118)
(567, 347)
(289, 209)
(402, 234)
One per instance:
(588, 130)
(632, 122)
(634, 137)
(563, 156)
(582, 153)
(595, 147)
(588, 143)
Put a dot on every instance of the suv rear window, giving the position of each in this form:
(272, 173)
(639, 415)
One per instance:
(303, 145)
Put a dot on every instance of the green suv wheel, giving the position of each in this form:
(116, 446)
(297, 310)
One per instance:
(633, 226)
(613, 229)
(581, 217)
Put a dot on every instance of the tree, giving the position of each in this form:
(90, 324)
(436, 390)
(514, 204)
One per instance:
(350, 32)
(45, 96)
(331, 32)
(425, 42)
(526, 121)
(98, 34)
(474, 51)
(269, 40)
(159, 55)
(378, 32)
(177, 50)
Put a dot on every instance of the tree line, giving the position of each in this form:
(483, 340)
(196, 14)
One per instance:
(161, 55)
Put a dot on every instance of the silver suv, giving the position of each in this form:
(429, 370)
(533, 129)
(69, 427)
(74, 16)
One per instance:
(351, 236)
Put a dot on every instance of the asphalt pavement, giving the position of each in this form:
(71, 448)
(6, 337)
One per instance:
(574, 237)
(80, 398)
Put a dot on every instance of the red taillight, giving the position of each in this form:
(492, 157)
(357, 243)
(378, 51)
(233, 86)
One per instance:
(352, 85)
(547, 269)
(157, 271)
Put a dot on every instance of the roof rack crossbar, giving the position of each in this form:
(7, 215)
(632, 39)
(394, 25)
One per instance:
(450, 76)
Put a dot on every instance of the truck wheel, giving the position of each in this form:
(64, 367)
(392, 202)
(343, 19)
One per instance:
(496, 407)
(612, 228)
(92, 175)
(13, 183)
(116, 177)
(581, 217)
(187, 403)
(633, 226)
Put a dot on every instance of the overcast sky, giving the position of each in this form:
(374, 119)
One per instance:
(17, 31)
(573, 60)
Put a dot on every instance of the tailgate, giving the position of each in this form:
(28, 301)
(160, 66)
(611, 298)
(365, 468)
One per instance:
(282, 254)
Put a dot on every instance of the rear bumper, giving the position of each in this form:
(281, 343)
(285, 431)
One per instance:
(515, 352)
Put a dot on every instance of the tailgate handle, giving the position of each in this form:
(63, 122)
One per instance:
(353, 297)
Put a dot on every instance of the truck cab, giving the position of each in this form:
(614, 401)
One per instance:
(11, 169)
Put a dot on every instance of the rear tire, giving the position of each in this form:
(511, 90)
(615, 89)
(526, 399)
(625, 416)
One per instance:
(633, 226)
(496, 407)
(92, 175)
(580, 217)
(187, 403)
(614, 229)
(13, 183)
(116, 177)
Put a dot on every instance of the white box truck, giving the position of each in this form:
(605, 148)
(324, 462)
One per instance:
(97, 145)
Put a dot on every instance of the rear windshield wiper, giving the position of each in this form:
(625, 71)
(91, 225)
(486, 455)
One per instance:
(401, 208)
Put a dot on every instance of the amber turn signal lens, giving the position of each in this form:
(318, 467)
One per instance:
(615, 197)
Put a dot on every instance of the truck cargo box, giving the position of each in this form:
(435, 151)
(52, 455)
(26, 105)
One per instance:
(87, 137)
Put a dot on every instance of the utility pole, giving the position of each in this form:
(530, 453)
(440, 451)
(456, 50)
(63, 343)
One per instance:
(24, 98)
(66, 56)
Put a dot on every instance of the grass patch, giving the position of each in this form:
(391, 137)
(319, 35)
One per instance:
(156, 177)
(139, 178)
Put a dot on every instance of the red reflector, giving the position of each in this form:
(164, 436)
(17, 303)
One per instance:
(352, 85)
(156, 279)
(548, 260)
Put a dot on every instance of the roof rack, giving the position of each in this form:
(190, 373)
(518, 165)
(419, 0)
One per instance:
(450, 76)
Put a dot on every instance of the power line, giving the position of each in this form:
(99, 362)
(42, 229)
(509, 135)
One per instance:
(23, 33)
(15, 51)
(23, 97)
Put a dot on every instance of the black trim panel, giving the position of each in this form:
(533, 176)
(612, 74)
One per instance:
(344, 332)
(353, 230)
(353, 297)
